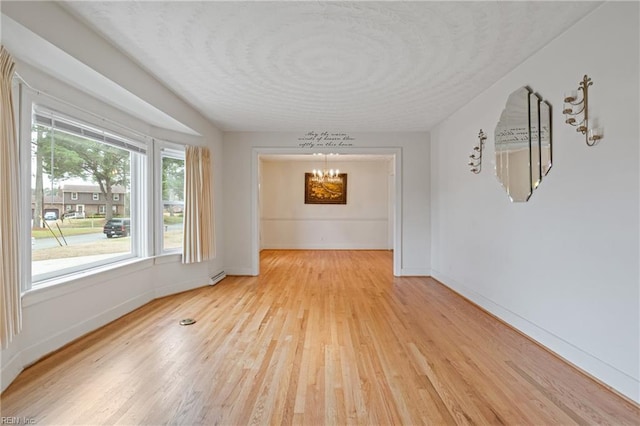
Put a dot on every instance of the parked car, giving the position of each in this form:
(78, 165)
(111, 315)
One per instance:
(119, 227)
(50, 216)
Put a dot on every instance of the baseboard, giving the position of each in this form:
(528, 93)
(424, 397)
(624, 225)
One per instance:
(170, 289)
(324, 246)
(239, 271)
(33, 353)
(599, 370)
(10, 371)
(415, 272)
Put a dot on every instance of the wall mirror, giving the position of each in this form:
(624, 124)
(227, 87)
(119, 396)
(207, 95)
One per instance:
(523, 144)
(534, 127)
(545, 137)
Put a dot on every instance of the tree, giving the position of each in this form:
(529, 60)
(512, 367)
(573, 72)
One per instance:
(78, 157)
(172, 181)
(37, 222)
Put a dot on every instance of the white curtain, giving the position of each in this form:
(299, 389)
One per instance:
(198, 207)
(10, 305)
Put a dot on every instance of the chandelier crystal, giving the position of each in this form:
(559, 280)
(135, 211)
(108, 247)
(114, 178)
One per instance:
(326, 174)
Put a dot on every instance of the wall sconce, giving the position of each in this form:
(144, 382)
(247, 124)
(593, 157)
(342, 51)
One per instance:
(573, 112)
(476, 156)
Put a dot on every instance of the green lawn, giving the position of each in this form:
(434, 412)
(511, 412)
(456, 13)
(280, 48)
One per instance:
(172, 239)
(70, 227)
(66, 231)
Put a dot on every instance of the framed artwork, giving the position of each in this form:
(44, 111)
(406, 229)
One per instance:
(333, 191)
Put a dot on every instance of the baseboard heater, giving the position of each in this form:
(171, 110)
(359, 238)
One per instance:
(217, 278)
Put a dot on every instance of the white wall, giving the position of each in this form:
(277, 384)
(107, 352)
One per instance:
(54, 316)
(563, 267)
(288, 223)
(241, 175)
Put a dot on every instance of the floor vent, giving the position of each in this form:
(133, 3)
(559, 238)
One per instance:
(217, 278)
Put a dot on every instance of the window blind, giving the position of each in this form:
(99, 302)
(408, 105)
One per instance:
(60, 123)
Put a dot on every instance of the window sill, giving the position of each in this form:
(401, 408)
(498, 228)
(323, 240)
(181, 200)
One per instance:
(167, 258)
(58, 287)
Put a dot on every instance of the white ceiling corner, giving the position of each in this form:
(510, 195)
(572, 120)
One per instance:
(41, 54)
(351, 66)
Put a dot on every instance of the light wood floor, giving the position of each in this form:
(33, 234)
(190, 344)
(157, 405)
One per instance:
(320, 337)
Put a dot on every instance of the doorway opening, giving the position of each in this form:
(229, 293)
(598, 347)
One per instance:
(371, 219)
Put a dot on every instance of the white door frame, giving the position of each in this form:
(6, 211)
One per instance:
(396, 198)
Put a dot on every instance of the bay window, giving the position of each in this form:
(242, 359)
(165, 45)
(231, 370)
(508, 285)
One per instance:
(99, 184)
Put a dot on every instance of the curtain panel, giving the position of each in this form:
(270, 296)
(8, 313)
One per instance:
(10, 303)
(198, 207)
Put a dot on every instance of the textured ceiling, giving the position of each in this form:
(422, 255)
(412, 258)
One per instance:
(357, 66)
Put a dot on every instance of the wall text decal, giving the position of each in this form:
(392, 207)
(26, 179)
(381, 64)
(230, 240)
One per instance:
(325, 139)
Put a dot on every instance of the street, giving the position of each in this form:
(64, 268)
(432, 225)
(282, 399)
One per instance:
(42, 243)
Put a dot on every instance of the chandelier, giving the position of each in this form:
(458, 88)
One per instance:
(326, 174)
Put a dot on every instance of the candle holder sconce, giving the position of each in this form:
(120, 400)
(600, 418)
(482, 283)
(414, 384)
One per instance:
(475, 162)
(576, 111)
